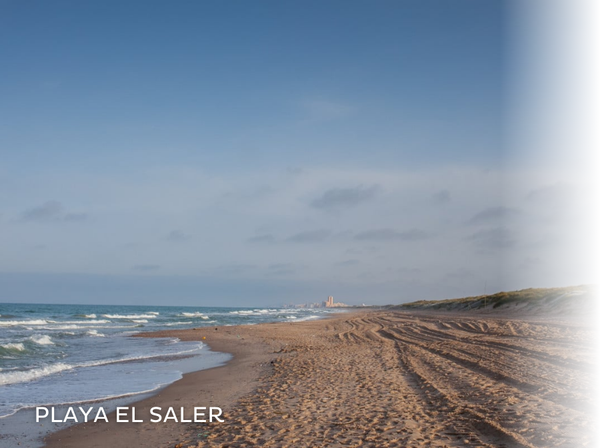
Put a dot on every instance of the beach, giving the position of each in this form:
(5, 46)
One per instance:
(379, 379)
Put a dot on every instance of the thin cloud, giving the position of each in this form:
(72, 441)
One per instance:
(50, 211)
(266, 238)
(235, 269)
(495, 238)
(337, 198)
(551, 194)
(493, 214)
(543, 193)
(347, 263)
(282, 269)
(441, 197)
(391, 235)
(311, 236)
(177, 236)
(532, 262)
(294, 170)
(75, 217)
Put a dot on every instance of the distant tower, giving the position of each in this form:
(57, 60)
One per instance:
(330, 301)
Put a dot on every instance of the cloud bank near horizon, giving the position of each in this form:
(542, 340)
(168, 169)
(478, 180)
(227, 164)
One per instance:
(391, 237)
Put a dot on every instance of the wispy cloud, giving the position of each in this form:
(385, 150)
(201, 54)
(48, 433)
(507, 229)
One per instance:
(75, 217)
(294, 170)
(234, 269)
(493, 214)
(558, 192)
(266, 238)
(50, 211)
(391, 234)
(441, 197)
(338, 198)
(495, 238)
(311, 236)
(176, 236)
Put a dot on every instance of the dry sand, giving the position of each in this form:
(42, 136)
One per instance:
(380, 379)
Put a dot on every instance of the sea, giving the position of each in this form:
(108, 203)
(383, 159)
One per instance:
(66, 354)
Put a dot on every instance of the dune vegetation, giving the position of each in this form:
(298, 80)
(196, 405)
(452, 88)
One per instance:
(568, 299)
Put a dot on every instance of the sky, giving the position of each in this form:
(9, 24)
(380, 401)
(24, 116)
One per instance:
(262, 153)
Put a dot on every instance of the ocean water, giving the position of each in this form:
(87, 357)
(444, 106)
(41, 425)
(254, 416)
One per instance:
(63, 354)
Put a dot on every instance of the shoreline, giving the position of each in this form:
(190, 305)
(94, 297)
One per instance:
(250, 359)
(212, 386)
(379, 379)
(17, 427)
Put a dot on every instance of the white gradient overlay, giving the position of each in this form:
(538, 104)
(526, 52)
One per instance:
(553, 138)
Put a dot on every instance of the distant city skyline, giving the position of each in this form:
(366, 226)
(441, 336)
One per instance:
(262, 153)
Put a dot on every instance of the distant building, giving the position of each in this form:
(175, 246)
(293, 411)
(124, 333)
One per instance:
(329, 303)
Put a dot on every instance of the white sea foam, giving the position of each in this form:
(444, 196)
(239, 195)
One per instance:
(14, 346)
(41, 339)
(33, 374)
(95, 333)
(140, 321)
(151, 315)
(256, 312)
(90, 316)
(171, 324)
(194, 314)
(28, 375)
(81, 322)
(12, 323)
(61, 327)
(79, 327)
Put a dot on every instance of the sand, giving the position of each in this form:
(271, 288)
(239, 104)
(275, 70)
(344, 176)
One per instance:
(380, 379)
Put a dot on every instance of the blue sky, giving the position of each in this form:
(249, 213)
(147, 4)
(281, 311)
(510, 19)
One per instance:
(247, 85)
(256, 153)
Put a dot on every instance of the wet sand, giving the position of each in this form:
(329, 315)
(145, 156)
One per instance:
(380, 379)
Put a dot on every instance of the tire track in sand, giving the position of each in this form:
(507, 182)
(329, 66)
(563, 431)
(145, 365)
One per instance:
(393, 379)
